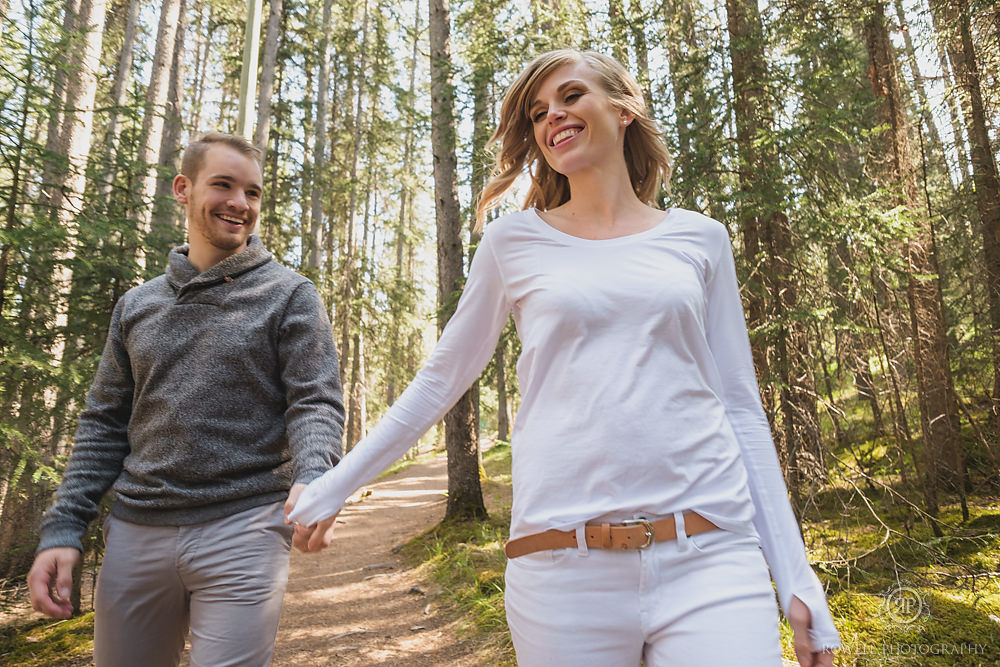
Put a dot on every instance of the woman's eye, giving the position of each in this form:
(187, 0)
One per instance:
(572, 96)
(538, 116)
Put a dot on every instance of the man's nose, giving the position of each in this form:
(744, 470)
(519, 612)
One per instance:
(238, 201)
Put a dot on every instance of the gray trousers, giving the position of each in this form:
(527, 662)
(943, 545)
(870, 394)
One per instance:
(225, 579)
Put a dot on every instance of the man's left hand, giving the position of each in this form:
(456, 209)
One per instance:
(800, 618)
(308, 538)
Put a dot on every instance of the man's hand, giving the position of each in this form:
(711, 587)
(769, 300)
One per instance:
(800, 619)
(308, 538)
(51, 580)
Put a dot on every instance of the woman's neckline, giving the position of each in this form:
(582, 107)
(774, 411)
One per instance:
(627, 238)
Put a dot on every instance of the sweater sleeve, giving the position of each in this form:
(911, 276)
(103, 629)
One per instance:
(307, 362)
(773, 517)
(465, 347)
(101, 445)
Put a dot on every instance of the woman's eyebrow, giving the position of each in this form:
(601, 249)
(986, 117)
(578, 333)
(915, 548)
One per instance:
(563, 86)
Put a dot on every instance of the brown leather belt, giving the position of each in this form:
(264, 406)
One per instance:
(631, 534)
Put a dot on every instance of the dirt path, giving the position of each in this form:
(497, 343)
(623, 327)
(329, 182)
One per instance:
(357, 602)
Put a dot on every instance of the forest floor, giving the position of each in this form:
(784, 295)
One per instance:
(359, 602)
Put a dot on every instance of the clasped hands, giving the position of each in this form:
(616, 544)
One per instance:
(312, 538)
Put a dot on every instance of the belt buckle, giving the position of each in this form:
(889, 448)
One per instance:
(648, 525)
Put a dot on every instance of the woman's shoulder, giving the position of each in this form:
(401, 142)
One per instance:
(512, 227)
(704, 228)
(511, 222)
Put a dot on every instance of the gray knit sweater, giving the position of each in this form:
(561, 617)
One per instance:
(214, 393)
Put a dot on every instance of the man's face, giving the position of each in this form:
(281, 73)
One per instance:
(222, 202)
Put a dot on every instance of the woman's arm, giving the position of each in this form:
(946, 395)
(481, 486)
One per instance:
(465, 347)
(773, 518)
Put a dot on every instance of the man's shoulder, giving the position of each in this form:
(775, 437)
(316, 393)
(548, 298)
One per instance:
(146, 290)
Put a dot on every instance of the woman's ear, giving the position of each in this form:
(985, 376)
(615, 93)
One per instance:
(626, 117)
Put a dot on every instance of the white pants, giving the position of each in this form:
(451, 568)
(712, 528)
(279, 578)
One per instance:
(704, 600)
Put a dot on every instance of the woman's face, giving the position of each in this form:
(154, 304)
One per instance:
(576, 127)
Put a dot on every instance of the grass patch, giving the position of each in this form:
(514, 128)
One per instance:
(466, 559)
(48, 643)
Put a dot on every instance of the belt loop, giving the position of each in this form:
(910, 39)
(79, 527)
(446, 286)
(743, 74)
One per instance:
(681, 529)
(581, 540)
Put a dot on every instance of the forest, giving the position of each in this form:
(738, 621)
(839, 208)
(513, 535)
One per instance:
(850, 146)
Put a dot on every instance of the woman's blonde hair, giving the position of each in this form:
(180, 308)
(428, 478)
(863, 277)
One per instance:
(646, 153)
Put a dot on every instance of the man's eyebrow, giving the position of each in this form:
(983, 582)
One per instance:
(563, 86)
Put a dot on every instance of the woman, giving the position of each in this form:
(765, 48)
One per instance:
(645, 478)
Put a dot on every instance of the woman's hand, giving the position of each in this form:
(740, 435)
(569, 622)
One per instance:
(800, 619)
(308, 538)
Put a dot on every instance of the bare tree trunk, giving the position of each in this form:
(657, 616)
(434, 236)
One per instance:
(954, 16)
(503, 403)
(167, 225)
(768, 248)
(307, 175)
(51, 180)
(201, 47)
(405, 199)
(263, 128)
(939, 412)
(156, 102)
(465, 496)
(119, 95)
(637, 22)
(315, 239)
(348, 269)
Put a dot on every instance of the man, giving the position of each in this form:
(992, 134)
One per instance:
(216, 401)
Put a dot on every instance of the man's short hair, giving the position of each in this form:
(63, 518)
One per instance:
(194, 154)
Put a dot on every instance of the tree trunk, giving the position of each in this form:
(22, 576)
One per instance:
(637, 22)
(119, 96)
(263, 128)
(405, 204)
(314, 241)
(157, 93)
(348, 277)
(306, 175)
(465, 496)
(51, 180)
(939, 412)
(954, 16)
(503, 403)
(618, 23)
(768, 249)
(202, 45)
(167, 226)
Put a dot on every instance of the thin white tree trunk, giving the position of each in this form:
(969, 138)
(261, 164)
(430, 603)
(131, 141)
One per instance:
(315, 240)
(166, 222)
(119, 95)
(156, 102)
(271, 39)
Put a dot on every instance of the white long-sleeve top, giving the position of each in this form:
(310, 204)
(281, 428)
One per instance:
(638, 389)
